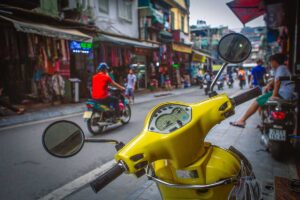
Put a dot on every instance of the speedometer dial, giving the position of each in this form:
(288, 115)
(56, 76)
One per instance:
(165, 121)
(170, 117)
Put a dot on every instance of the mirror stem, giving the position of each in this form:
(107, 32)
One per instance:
(101, 140)
(217, 77)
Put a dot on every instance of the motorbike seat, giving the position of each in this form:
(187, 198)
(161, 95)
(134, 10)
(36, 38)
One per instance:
(98, 104)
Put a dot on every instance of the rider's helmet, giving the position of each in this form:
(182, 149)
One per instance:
(102, 66)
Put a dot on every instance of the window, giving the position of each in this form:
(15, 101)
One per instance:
(125, 9)
(182, 23)
(103, 6)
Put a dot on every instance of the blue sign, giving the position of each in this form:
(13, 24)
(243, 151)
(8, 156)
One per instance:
(80, 47)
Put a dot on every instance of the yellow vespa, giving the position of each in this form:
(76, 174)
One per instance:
(171, 149)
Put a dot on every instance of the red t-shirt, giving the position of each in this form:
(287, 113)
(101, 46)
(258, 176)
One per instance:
(99, 85)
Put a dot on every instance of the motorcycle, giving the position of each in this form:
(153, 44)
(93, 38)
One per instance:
(171, 149)
(98, 115)
(277, 128)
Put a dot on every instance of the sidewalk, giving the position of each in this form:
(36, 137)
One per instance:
(248, 142)
(69, 109)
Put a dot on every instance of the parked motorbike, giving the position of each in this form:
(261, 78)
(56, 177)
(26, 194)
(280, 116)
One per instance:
(98, 115)
(171, 149)
(278, 124)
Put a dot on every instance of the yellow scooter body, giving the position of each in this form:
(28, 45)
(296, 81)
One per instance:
(182, 148)
(215, 165)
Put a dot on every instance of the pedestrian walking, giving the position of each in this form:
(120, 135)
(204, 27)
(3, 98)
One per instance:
(258, 72)
(131, 81)
(242, 77)
(58, 87)
(249, 77)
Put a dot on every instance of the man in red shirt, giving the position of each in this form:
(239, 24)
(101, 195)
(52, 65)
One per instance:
(100, 83)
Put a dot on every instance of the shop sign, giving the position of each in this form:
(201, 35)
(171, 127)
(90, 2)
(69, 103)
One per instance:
(197, 57)
(216, 67)
(181, 48)
(175, 65)
(80, 47)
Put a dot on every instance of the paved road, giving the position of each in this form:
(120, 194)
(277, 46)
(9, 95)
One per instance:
(28, 172)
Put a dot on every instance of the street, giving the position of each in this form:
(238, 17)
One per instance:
(29, 172)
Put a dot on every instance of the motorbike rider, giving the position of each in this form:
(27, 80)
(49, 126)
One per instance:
(100, 82)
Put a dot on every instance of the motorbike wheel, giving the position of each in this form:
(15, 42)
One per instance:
(92, 123)
(126, 115)
(278, 150)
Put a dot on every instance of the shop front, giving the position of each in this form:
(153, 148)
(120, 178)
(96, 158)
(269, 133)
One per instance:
(141, 63)
(31, 54)
(121, 54)
(181, 65)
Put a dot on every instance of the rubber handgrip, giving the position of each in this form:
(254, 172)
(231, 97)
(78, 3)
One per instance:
(106, 178)
(246, 96)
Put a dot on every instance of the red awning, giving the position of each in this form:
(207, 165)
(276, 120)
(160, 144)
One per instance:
(247, 10)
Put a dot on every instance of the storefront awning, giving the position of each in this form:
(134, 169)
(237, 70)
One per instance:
(49, 31)
(125, 42)
(182, 48)
(247, 10)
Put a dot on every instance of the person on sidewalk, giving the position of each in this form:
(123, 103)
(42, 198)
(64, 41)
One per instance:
(100, 82)
(168, 84)
(58, 87)
(6, 104)
(281, 89)
(131, 80)
(242, 77)
(249, 77)
(257, 74)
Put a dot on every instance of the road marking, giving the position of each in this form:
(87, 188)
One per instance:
(79, 183)
(40, 121)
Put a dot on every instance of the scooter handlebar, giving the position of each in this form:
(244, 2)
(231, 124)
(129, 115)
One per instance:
(107, 177)
(246, 96)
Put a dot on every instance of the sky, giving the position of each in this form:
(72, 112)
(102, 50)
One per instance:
(216, 12)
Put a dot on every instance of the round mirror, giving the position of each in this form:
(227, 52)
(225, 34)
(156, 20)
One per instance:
(63, 139)
(234, 48)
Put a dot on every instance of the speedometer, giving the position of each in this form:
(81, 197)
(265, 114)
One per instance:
(170, 117)
(165, 121)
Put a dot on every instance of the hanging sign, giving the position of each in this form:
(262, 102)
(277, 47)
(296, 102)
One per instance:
(80, 47)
